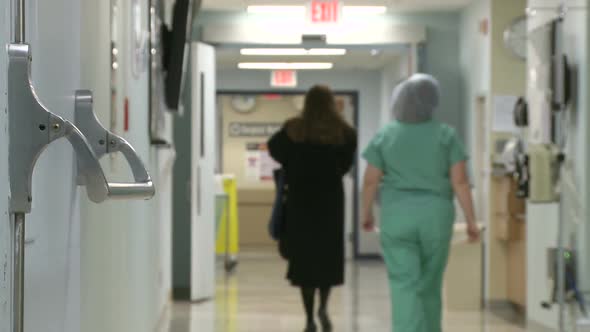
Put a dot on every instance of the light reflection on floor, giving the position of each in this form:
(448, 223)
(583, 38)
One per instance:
(258, 299)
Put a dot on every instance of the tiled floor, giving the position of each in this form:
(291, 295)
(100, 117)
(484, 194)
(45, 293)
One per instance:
(257, 299)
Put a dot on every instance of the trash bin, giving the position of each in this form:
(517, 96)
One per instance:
(227, 227)
(221, 200)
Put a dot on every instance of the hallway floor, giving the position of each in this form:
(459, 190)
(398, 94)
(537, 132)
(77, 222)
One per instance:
(258, 299)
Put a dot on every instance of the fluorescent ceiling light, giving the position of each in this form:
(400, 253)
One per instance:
(292, 51)
(327, 51)
(286, 65)
(276, 9)
(364, 10)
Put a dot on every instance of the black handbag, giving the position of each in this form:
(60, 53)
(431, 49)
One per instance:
(277, 225)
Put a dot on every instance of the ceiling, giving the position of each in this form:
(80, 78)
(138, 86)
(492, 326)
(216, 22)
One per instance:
(356, 58)
(393, 5)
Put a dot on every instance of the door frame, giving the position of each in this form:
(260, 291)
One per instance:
(352, 238)
(481, 116)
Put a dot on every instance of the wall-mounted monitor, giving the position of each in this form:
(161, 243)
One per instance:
(157, 106)
(175, 50)
(560, 73)
(549, 81)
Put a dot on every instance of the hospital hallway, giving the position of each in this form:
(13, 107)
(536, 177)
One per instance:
(256, 298)
(159, 159)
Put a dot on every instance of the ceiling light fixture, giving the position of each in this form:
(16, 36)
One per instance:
(276, 9)
(292, 51)
(286, 65)
(327, 51)
(364, 10)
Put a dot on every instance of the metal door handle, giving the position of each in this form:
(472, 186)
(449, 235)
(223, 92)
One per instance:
(104, 142)
(88, 166)
(32, 128)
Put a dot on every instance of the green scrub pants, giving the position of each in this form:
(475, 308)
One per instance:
(416, 234)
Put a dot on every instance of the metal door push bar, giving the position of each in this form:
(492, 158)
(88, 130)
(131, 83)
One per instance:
(33, 128)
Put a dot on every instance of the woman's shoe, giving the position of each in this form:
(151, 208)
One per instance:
(310, 328)
(325, 321)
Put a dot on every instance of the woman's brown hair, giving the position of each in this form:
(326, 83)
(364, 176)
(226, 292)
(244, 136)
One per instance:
(320, 122)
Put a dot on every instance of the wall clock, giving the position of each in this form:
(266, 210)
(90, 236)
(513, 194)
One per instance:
(243, 104)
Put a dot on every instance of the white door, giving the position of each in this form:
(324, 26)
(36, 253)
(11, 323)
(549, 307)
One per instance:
(52, 296)
(203, 171)
(480, 153)
(5, 229)
(349, 113)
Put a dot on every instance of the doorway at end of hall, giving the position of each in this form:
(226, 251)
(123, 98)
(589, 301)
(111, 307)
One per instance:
(246, 120)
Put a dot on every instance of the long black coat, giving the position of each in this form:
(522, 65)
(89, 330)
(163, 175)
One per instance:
(314, 230)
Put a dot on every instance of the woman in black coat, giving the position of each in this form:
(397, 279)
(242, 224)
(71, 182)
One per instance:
(315, 150)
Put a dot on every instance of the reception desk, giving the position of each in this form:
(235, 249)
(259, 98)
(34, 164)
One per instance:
(254, 210)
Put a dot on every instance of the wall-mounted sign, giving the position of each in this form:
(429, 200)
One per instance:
(324, 11)
(283, 79)
(248, 129)
(259, 164)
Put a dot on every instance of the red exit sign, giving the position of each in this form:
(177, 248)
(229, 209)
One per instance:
(324, 11)
(283, 79)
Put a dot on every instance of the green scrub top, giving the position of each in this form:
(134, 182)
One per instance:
(415, 158)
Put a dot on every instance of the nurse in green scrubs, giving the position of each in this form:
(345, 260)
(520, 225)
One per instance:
(418, 165)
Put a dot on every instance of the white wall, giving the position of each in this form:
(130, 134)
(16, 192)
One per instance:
(475, 60)
(5, 237)
(391, 75)
(543, 220)
(119, 253)
(52, 295)
(125, 245)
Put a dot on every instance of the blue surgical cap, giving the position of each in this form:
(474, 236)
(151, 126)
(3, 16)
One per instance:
(415, 99)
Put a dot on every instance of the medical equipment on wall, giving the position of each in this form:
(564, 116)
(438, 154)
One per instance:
(521, 113)
(32, 127)
(572, 291)
(545, 162)
(548, 97)
(548, 83)
(516, 163)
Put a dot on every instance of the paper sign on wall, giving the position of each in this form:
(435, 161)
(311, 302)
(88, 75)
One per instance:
(267, 164)
(252, 163)
(259, 164)
(283, 79)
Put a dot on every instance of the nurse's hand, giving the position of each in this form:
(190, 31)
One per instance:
(369, 224)
(473, 232)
